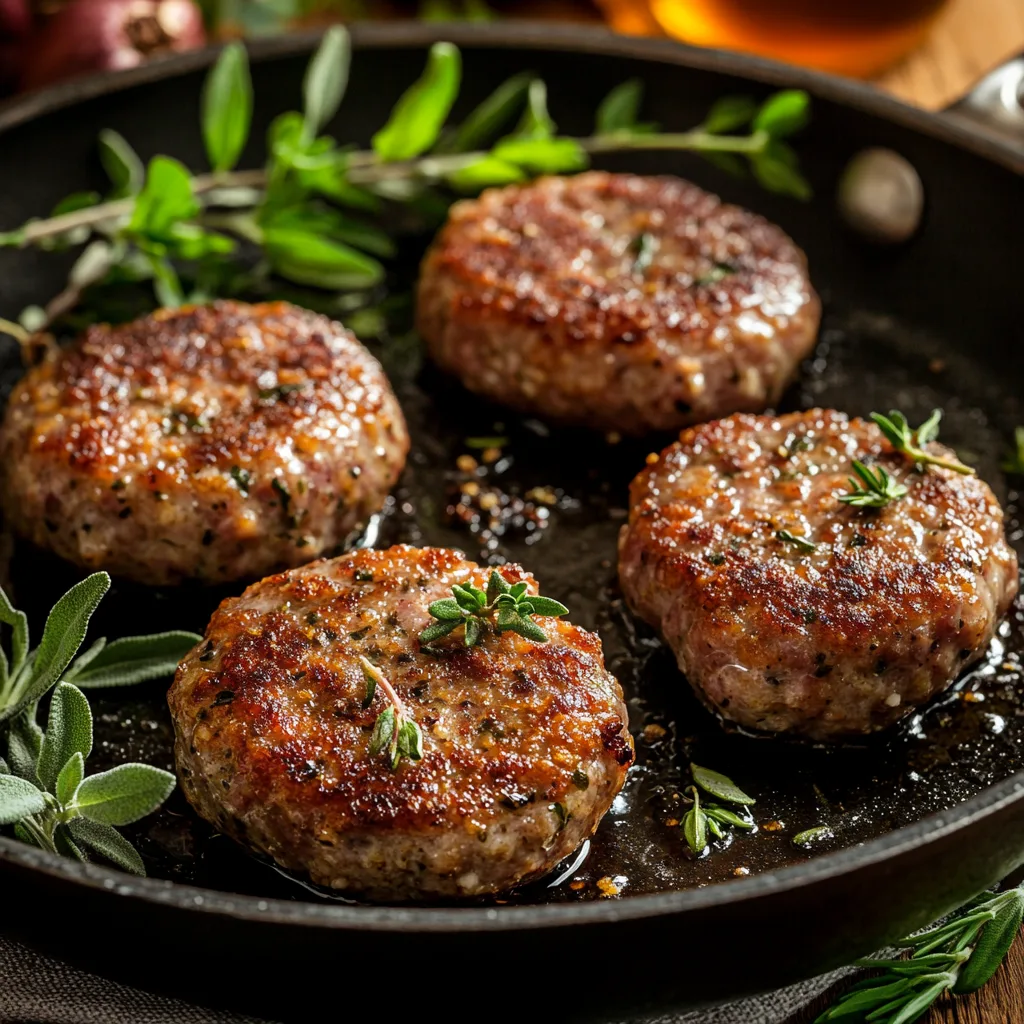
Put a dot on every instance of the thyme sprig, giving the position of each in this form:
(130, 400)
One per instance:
(312, 211)
(503, 607)
(394, 729)
(875, 489)
(911, 442)
(702, 819)
(959, 956)
(1014, 461)
(44, 790)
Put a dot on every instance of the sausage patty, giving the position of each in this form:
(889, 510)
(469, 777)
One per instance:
(617, 302)
(524, 744)
(884, 612)
(217, 443)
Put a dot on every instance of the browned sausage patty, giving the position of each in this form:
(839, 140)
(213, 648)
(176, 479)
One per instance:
(524, 744)
(216, 443)
(615, 301)
(887, 609)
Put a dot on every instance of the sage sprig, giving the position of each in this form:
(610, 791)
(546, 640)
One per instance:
(44, 790)
(51, 802)
(503, 607)
(311, 211)
(959, 955)
(394, 729)
(28, 675)
(702, 818)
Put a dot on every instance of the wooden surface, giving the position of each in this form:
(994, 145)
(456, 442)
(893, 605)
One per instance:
(969, 39)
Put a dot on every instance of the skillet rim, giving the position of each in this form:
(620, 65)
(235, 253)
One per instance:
(528, 36)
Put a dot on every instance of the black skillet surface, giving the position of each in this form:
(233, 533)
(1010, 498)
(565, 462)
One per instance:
(922, 818)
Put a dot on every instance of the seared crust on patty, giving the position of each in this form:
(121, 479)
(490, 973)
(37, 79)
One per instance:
(884, 613)
(524, 744)
(616, 301)
(215, 442)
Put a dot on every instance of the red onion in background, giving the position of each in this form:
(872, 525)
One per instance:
(103, 35)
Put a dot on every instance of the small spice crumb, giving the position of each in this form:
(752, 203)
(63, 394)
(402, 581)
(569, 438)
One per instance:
(672, 822)
(576, 884)
(972, 697)
(773, 826)
(654, 732)
(740, 871)
(611, 886)
(893, 700)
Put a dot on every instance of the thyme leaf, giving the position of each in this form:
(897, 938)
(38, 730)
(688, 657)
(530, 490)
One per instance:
(911, 443)
(502, 607)
(802, 543)
(875, 488)
(394, 729)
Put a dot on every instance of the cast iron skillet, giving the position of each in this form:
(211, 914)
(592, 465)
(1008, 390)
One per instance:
(923, 818)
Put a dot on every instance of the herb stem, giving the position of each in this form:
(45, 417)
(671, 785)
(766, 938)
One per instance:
(366, 168)
(382, 681)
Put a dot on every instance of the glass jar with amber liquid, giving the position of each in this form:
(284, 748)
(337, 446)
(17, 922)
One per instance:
(847, 37)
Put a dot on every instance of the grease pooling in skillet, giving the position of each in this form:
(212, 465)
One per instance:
(967, 740)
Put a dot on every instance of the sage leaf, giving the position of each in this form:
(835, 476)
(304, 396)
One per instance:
(62, 636)
(108, 843)
(994, 944)
(68, 731)
(326, 80)
(24, 740)
(720, 786)
(542, 156)
(18, 621)
(124, 794)
(383, 730)
(133, 659)
(18, 799)
(420, 113)
(466, 597)
(619, 110)
(69, 779)
(122, 164)
(4, 770)
(227, 107)
(728, 114)
(485, 121)
(783, 113)
(410, 741)
(496, 586)
(66, 846)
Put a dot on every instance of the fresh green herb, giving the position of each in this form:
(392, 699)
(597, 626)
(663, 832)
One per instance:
(279, 391)
(695, 825)
(719, 785)
(242, 477)
(503, 607)
(703, 818)
(813, 835)
(44, 790)
(643, 247)
(394, 730)
(802, 543)
(959, 955)
(875, 489)
(309, 211)
(1014, 462)
(911, 442)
